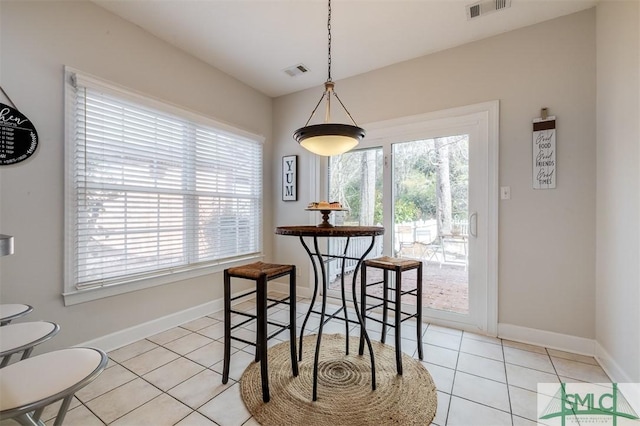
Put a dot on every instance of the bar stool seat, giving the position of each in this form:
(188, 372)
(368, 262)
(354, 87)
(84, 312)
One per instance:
(30, 385)
(261, 273)
(398, 266)
(23, 337)
(11, 311)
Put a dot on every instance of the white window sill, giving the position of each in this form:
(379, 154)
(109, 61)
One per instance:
(75, 297)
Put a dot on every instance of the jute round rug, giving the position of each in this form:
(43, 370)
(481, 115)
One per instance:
(344, 387)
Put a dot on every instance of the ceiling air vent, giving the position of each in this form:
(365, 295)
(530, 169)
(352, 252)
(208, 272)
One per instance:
(296, 70)
(476, 10)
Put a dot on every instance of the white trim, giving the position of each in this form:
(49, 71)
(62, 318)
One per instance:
(493, 219)
(130, 335)
(315, 182)
(69, 260)
(610, 366)
(317, 192)
(75, 297)
(483, 117)
(629, 388)
(451, 322)
(547, 339)
(443, 119)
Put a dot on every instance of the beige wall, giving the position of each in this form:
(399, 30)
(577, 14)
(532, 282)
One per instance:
(546, 237)
(38, 39)
(618, 188)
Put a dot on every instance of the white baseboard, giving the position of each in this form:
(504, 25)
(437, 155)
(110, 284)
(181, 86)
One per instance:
(282, 287)
(129, 335)
(547, 339)
(629, 388)
(611, 367)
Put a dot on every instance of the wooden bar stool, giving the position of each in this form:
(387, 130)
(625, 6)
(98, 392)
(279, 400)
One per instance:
(261, 273)
(398, 266)
(23, 337)
(28, 386)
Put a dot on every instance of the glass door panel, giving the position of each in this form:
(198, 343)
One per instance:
(430, 187)
(355, 181)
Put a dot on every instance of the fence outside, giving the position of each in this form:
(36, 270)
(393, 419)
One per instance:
(357, 246)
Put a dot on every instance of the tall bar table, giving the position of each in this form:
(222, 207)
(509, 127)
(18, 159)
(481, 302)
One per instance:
(319, 261)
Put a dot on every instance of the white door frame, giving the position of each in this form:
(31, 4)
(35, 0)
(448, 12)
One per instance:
(485, 117)
(483, 120)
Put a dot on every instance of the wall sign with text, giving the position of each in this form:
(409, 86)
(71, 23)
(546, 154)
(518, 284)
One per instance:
(290, 178)
(544, 153)
(18, 136)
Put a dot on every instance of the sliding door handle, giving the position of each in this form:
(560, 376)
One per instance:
(473, 224)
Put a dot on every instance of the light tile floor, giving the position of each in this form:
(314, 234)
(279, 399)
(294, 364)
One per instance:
(175, 377)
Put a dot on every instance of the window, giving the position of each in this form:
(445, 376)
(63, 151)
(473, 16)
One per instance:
(153, 190)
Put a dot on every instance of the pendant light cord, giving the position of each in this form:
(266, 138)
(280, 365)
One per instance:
(327, 93)
(329, 45)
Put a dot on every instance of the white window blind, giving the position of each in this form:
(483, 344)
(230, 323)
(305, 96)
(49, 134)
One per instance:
(154, 192)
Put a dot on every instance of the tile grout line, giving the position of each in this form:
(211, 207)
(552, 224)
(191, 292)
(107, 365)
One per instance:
(510, 413)
(506, 379)
(453, 381)
(560, 381)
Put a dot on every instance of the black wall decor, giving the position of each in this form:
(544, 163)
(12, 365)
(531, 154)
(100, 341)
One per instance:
(290, 178)
(18, 136)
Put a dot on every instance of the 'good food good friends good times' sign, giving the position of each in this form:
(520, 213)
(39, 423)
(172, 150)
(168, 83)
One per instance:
(544, 153)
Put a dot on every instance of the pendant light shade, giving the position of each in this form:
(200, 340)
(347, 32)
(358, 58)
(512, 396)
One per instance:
(329, 138)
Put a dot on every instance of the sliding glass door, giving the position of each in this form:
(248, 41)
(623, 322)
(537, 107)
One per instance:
(430, 183)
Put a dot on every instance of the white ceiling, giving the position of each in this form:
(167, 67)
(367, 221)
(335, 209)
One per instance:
(255, 40)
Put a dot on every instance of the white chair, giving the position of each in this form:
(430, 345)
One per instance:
(404, 238)
(431, 246)
(11, 311)
(23, 337)
(28, 386)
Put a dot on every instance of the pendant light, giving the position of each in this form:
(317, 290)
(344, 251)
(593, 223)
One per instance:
(329, 138)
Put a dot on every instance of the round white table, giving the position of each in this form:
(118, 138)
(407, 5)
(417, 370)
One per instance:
(11, 311)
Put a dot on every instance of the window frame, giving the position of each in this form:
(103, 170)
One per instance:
(72, 293)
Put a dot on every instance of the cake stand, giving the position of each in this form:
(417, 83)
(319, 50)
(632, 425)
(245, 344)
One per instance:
(325, 215)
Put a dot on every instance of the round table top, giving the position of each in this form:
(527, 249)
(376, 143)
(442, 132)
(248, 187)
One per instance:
(335, 231)
(10, 311)
(16, 337)
(57, 374)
